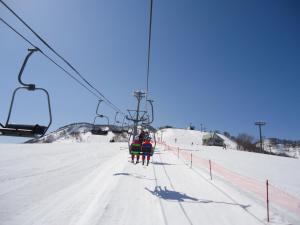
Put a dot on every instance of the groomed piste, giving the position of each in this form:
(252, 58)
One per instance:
(95, 183)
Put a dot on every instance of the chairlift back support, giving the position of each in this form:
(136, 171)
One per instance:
(25, 130)
(97, 130)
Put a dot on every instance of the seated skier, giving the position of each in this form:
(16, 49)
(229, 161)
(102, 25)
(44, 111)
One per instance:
(142, 136)
(135, 149)
(146, 149)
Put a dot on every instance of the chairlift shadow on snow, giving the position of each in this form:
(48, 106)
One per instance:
(135, 175)
(157, 153)
(162, 163)
(169, 195)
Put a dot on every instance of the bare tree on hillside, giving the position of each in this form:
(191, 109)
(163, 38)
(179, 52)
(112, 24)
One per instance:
(246, 142)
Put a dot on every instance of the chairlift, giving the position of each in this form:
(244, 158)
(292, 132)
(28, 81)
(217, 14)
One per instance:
(115, 128)
(25, 130)
(116, 118)
(152, 134)
(97, 130)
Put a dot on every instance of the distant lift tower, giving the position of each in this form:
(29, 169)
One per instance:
(260, 124)
(137, 116)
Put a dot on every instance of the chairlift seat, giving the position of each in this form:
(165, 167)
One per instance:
(99, 132)
(117, 131)
(23, 130)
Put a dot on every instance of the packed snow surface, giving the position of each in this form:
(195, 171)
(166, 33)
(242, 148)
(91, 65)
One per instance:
(95, 183)
(280, 171)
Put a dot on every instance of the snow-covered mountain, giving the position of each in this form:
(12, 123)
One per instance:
(82, 132)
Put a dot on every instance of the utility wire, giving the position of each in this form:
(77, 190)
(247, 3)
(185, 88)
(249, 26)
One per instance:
(49, 58)
(62, 58)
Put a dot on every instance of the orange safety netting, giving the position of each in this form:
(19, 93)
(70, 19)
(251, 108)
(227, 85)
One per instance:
(276, 195)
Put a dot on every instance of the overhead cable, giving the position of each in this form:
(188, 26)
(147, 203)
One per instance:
(62, 58)
(149, 49)
(49, 58)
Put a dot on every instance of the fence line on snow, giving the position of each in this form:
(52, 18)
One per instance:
(275, 195)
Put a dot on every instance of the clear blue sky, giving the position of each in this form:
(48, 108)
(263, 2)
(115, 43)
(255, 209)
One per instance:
(224, 64)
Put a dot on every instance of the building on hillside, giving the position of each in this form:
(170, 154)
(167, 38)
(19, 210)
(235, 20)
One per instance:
(213, 139)
(190, 127)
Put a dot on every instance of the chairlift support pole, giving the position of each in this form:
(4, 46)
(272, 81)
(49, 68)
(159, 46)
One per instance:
(260, 124)
(138, 117)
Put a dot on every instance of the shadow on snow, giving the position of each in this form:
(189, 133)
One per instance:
(169, 195)
(136, 175)
(162, 163)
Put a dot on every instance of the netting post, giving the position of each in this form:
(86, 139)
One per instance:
(191, 160)
(178, 153)
(210, 169)
(267, 186)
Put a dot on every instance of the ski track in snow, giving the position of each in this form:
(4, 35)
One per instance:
(89, 185)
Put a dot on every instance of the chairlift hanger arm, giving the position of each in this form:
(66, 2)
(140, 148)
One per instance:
(152, 111)
(29, 86)
(116, 115)
(97, 110)
(148, 120)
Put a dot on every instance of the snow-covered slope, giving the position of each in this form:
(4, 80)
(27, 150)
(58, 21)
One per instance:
(95, 184)
(281, 149)
(188, 138)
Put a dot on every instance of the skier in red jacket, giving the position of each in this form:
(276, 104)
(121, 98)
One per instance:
(146, 149)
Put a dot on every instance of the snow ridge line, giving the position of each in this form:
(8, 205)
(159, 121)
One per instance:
(180, 204)
(277, 196)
